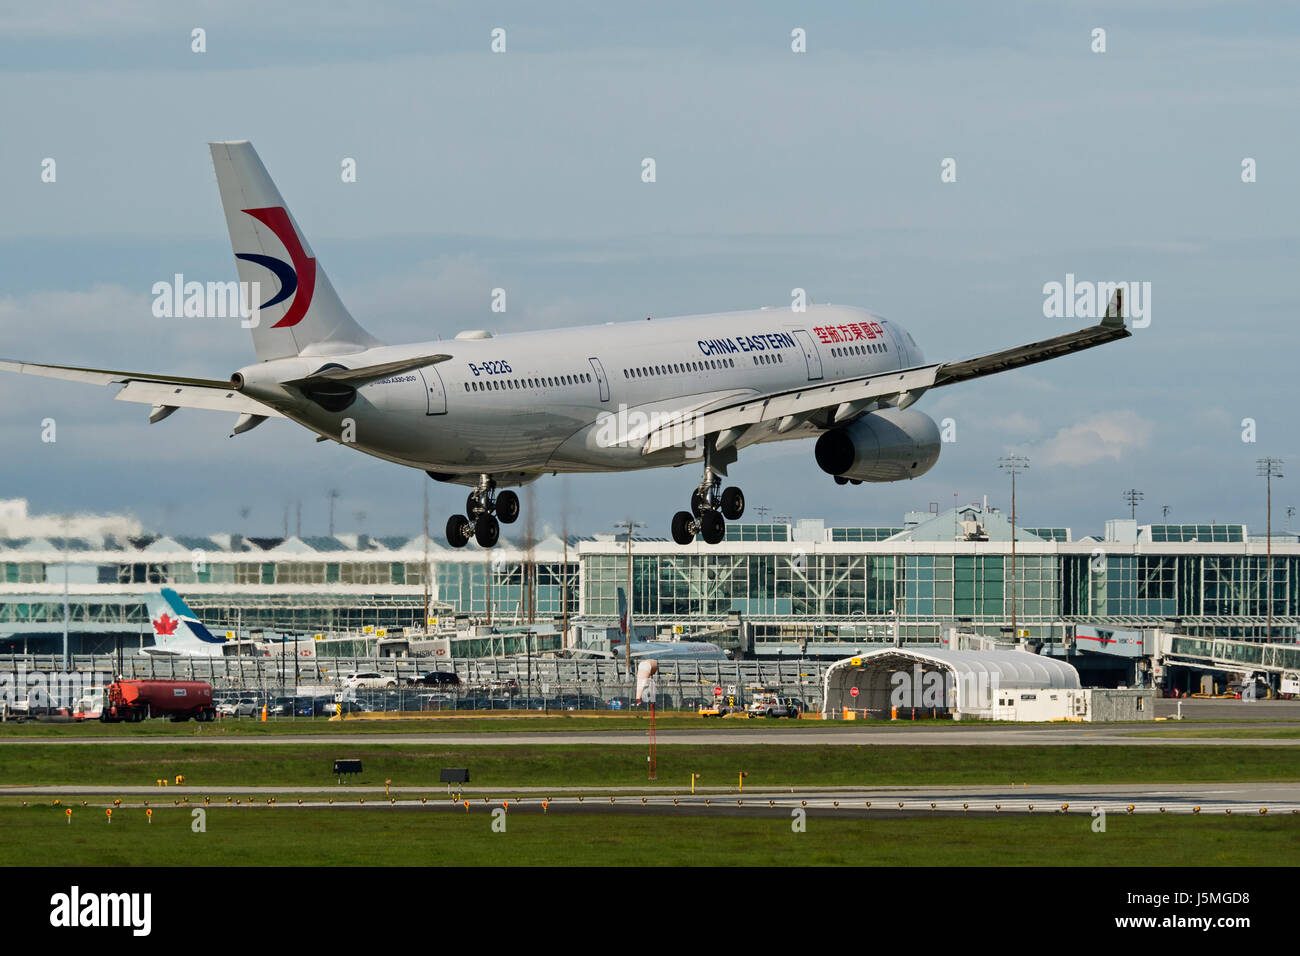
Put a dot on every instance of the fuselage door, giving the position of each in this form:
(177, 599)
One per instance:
(810, 355)
(900, 345)
(599, 370)
(433, 388)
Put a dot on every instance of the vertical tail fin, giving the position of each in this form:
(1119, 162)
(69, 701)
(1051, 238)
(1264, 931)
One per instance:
(300, 311)
(177, 629)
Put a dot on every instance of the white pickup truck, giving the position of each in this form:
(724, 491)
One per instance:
(770, 705)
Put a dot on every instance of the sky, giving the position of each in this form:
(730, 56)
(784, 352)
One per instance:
(775, 170)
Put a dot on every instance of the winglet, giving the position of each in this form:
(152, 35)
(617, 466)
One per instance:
(1114, 317)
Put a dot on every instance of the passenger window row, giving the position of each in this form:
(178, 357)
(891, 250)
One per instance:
(677, 368)
(769, 358)
(858, 350)
(507, 384)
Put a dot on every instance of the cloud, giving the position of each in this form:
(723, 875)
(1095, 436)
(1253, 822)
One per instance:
(112, 326)
(1107, 435)
(1017, 423)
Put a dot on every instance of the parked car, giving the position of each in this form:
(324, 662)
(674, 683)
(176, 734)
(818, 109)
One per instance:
(244, 707)
(579, 702)
(312, 706)
(437, 679)
(360, 680)
(508, 687)
(432, 702)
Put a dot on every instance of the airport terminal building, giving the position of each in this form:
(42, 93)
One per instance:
(777, 590)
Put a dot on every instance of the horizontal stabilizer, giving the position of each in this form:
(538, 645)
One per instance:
(367, 373)
(224, 399)
(166, 391)
(102, 376)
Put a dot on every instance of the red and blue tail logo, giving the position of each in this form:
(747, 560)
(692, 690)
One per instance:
(297, 276)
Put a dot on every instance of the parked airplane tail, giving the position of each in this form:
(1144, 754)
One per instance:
(299, 311)
(177, 629)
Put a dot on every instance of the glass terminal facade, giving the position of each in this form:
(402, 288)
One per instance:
(787, 582)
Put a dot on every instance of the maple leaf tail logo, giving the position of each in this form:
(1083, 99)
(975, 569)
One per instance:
(165, 625)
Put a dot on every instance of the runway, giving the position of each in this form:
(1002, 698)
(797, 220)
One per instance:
(1242, 798)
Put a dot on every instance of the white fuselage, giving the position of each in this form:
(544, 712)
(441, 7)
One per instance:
(582, 399)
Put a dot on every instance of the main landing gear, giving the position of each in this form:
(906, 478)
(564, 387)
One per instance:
(482, 509)
(710, 505)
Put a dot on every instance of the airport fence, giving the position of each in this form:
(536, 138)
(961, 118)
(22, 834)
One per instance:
(311, 687)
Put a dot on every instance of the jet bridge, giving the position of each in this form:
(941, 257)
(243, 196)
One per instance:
(1241, 657)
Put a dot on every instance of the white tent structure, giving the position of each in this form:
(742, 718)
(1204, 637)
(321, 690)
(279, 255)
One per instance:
(990, 685)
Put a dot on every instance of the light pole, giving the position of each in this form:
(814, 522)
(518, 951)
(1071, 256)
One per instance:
(67, 529)
(629, 525)
(1268, 469)
(333, 495)
(1132, 496)
(564, 587)
(1013, 464)
(424, 568)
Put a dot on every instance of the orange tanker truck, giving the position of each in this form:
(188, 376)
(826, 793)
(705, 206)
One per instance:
(134, 700)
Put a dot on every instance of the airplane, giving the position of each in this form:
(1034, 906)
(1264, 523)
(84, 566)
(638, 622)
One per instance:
(650, 650)
(178, 632)
(677, 650)
(496, 411)
(659, 650)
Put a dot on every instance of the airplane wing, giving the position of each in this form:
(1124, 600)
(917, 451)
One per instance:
(842, 400)
(162, 391)
(1110, 329)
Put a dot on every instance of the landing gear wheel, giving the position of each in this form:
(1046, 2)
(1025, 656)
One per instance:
(458, 531)
(486, 530)
(697, 502)
(841, 480)
(733, 503)
(682, 532)
(712, 528)
(508, 506)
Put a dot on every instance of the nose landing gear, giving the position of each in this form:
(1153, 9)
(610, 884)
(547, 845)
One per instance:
(482, 509)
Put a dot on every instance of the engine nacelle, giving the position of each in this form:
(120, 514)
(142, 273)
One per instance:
(889, 445)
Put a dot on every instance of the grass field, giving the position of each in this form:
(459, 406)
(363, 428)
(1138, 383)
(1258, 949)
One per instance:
(41, 836)
(560, 765)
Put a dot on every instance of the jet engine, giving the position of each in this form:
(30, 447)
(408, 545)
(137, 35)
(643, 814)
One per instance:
(888, 445)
